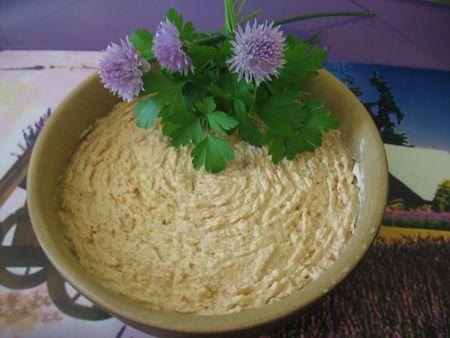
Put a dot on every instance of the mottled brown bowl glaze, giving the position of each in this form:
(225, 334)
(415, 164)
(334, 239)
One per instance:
(89, 101)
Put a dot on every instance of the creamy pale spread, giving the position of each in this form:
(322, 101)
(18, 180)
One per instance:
(142, 220)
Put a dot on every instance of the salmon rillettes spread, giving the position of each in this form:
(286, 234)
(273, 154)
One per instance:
(140, 218)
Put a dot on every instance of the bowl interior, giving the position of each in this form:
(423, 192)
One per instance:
(90, 101)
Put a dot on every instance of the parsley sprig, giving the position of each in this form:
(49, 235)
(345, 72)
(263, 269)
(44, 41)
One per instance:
(206, 107)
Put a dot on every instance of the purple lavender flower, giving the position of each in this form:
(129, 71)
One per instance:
(121, 69)
(258, 52)
(168, 49)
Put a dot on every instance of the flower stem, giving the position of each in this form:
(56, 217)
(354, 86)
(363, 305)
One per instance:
(198, 71)
(313, 38)
(241, 7)
(219, 37)
(320, 15)
(268, 86)
(212, 39)
(250, 16)
(229, 16)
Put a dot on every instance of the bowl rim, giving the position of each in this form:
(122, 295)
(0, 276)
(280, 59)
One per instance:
(189, 323)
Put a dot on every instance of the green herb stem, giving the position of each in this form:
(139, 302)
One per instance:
(212, 39)
(241, 7)
(268, 86)
(250, 16)
(313, 38)
(219, 37)
(198, 71)
(229, 16)
(320, 15)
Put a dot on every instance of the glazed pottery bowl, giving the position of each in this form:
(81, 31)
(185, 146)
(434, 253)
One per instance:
(89, 101)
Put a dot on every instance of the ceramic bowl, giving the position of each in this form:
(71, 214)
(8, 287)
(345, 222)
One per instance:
(89, 101)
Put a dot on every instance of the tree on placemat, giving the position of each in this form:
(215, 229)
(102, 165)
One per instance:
(441, 201)
(385, 112)
(350, 82)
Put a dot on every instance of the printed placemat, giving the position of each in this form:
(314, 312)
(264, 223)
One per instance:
(400, 288)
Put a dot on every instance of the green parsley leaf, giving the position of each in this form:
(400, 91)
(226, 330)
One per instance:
(292, 41)
(282, 99)
(228, 84)
(260, 95)
(320, 120)
(218, 92)
(179, 124)
(226, 49)
(146, 113)
(221, 122)
(142, 40)
(166, 88)
(239, 106)
(213, 153)
(303, 61)
(172, 109)
(189, 129)
(225, 53)
(202, 36)
(192, 92)
(321, 116)
(243, 90)
(290, 147)
(248, 131)
(201, 79)
(307, 122)
(170, 101)
(276, 149)
(286, 81)
(225, 83)
(205, 105)
(168, 127)
(201, 54)
(282, 113)
(176, 18)
(188, 32)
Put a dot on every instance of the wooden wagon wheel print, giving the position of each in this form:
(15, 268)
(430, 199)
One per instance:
(23, 253)
(70, 304)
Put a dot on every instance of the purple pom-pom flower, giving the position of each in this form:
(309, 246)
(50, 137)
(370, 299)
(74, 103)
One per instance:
(258, 52)
(121, 70)
(168, 49)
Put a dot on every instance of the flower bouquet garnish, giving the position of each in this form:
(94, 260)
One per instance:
(243, 80)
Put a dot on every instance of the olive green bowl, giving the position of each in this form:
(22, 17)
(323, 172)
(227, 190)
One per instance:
(88, 102)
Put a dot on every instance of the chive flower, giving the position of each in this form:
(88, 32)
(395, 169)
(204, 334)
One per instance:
(169, 49)
(258, 52)
(121, 69)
